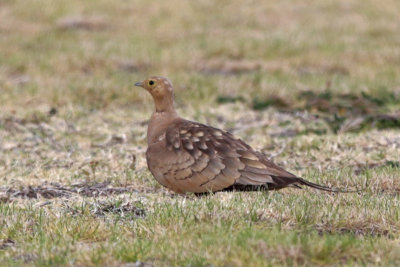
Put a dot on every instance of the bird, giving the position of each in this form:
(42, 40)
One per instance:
(189, 157)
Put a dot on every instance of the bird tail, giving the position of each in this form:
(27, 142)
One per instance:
(323, 188)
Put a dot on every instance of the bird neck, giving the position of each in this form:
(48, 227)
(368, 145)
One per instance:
(158, 124)
(164, 104)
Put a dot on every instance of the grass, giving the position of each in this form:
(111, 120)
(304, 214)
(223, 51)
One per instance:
(313, 85)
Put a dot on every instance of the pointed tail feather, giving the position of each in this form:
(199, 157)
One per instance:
(324, 188)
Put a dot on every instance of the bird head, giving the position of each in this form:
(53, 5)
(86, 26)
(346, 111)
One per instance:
(161, 90)
(156, 86)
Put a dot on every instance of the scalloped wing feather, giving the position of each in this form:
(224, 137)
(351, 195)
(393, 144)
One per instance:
(198, 158)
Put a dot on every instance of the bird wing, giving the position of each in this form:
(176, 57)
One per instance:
(204, 159)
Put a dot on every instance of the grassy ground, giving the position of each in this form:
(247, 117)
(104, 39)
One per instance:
(315, 85)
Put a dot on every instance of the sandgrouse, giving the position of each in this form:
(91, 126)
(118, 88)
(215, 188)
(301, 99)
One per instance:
(187, 156)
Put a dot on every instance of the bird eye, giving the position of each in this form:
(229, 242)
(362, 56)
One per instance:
(151, 82)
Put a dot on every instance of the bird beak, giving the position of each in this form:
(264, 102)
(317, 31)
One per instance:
(140, 84)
